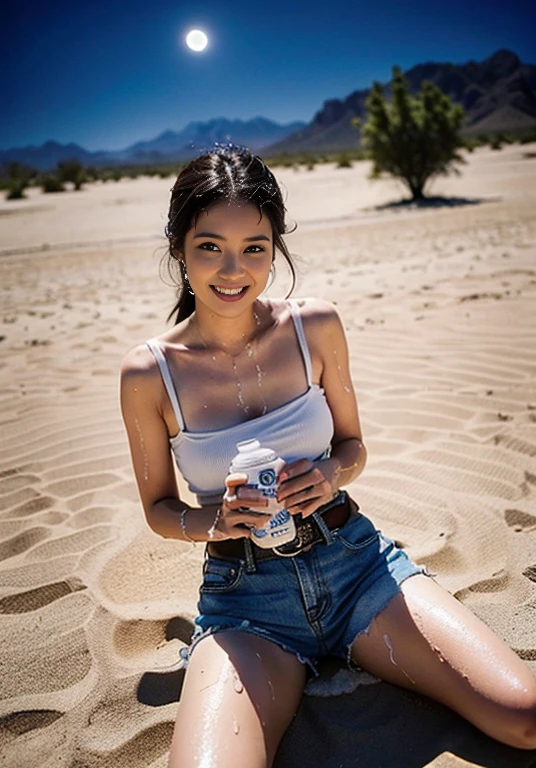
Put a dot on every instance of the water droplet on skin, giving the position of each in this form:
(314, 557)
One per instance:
(387, 641)
(236, 727)
(272, 689)
(438, 653)
(238, 685)
(142, 446)
(345, 385)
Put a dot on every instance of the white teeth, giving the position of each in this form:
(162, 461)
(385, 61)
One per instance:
(229, 291)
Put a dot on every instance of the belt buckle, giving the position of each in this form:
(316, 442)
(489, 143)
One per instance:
(305, 539)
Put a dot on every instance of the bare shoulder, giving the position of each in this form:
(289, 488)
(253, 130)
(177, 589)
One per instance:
(319, 315)
(139, 367)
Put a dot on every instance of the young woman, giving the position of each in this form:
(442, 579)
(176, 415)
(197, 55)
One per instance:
(236, 366)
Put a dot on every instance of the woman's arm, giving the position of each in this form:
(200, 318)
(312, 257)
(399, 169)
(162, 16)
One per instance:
(306, 485)
(142, 398)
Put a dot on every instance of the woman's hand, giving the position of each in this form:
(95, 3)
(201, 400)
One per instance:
(305, 485)
(241, 509)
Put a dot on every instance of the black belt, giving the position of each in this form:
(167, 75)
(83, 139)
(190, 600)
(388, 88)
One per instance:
(308, 533)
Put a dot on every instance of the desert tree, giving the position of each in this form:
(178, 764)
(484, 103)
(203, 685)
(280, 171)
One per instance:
(413, 138)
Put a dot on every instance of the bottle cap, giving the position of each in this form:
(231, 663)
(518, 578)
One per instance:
(251, 454)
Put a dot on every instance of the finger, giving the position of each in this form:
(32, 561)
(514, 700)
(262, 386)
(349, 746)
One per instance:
(307, 509)
(302, 497)
(235, 479)
(294, 469)
(248, 518)
(305, 504)
(313, 479)
(249, 495)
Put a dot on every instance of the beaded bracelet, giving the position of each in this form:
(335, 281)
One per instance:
(183, 526)
(212, 530)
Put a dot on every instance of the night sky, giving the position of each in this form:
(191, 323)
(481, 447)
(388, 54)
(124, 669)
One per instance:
(107, 74)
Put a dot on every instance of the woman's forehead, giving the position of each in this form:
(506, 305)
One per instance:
(229, 216)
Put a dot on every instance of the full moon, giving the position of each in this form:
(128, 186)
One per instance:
(196, 40)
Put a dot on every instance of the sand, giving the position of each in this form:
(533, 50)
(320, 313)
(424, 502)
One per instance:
(439, 304)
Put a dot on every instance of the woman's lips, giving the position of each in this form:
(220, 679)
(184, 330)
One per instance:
(229, 296)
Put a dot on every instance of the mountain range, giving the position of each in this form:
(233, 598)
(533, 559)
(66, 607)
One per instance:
(168, 147)
(497, 94)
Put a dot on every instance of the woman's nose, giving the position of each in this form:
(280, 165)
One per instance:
(232, 266)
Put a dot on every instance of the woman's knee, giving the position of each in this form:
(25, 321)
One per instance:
(518, 725)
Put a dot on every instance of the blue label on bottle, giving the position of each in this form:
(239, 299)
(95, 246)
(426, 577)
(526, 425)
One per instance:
(267, 477)
(281, 517)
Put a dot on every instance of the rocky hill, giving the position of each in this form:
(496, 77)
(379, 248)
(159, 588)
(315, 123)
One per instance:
(497, 94)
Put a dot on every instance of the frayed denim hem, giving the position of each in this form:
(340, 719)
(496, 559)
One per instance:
(420, 569)
(200, 634)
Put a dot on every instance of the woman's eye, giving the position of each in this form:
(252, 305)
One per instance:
(258, 249)
(209, 247)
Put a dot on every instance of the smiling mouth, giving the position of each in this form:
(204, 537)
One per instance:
(224, 293)
(229, 291)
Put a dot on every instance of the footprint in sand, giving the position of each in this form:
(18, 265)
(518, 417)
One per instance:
(22, 542)
(15, 482)
(134, 639)
(144, 749)
(17, 723)
(33, 599)
(497, 583)
(519, 520)
(30, 507)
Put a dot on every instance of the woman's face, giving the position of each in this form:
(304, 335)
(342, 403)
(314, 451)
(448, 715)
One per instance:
(228, 254)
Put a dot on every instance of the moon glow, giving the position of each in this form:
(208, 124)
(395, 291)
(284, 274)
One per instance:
(196, 40)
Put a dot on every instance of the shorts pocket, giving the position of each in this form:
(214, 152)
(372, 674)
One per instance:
(358, 533)
(220, 576)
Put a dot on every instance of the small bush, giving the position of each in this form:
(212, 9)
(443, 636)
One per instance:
(343, 161)
(73, 171)
(51, 183)
(527, 138)
(15, 189)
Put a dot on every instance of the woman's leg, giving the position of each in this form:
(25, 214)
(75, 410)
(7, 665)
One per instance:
(427, 641)
(239, 696)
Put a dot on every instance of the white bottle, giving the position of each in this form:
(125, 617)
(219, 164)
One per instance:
(262, 466)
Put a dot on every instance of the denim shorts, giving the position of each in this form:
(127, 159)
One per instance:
(314, 604)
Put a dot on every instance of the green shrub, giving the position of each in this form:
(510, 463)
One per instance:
(51, 183)
(413, 138)
(73, 171)
(343, 161)
(15, 189)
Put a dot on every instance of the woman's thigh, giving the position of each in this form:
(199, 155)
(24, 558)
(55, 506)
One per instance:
(239, 696)
(426, 640)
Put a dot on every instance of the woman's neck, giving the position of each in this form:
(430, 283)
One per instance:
(230, 335)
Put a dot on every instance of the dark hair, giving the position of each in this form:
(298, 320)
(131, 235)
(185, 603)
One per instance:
(232, 174)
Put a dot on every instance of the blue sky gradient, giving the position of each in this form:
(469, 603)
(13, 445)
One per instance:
(107, 74)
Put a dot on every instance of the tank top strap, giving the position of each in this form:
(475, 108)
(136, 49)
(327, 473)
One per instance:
(156, 349)
(300, 333)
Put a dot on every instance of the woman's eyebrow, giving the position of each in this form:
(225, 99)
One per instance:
(220, 237)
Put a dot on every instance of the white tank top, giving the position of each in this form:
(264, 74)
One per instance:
(299, 429)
